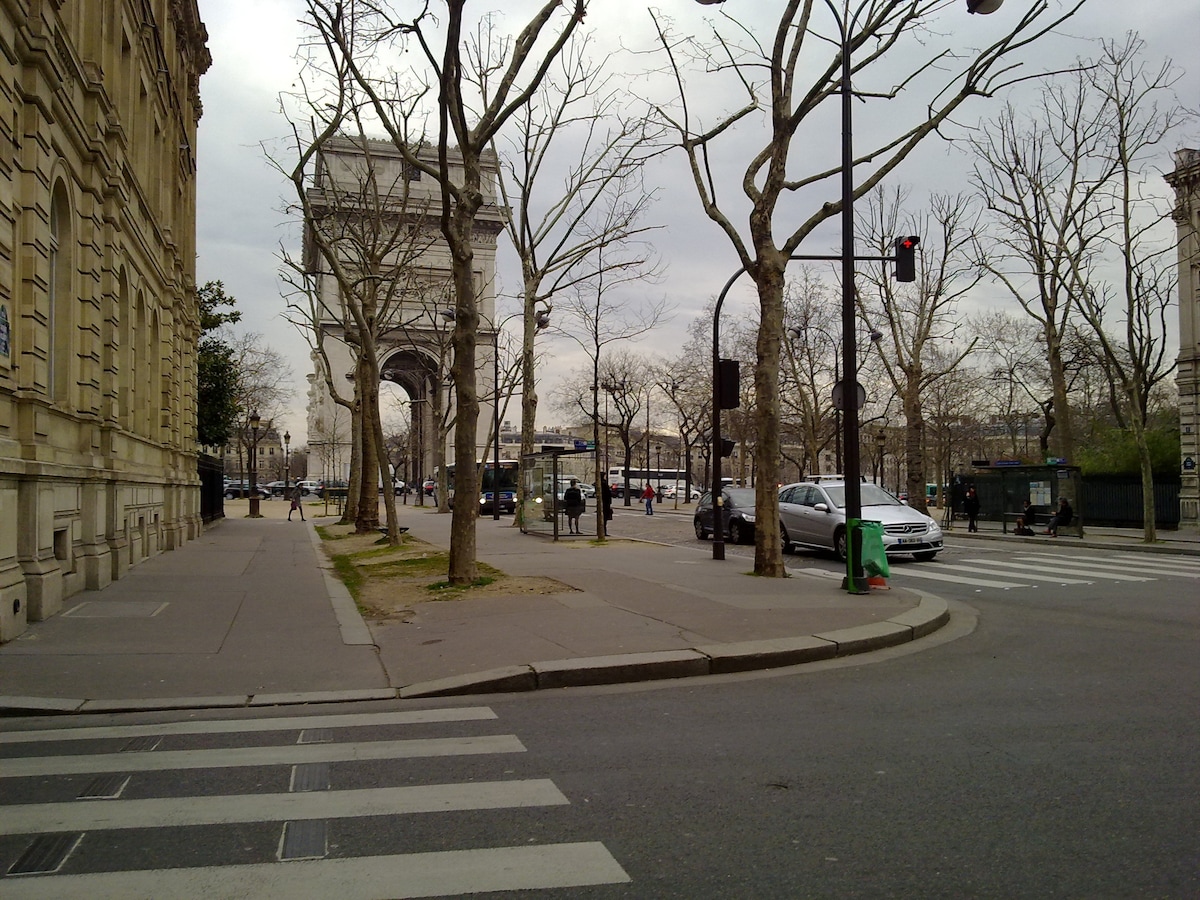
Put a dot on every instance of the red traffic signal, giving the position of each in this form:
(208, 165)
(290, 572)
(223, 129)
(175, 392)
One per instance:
(906, 258)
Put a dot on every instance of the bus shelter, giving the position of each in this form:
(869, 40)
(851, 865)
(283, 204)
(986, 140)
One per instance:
(544, 477)
(1004, 489)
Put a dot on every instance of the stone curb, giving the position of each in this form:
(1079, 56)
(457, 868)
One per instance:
(710, 659)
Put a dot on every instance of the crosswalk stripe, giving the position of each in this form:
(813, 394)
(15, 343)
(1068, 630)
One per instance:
(1059, 569)
(396, 877)
(230, 726)
(933, 575)
(171, 812)
(1185, 562)
(1049, 574)
(1132, 565)
(293, 754)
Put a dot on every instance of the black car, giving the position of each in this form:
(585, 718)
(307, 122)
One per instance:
(737, 514)
(239, 489)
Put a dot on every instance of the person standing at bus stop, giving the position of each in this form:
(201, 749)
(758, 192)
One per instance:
(971, 508)
(648, 496)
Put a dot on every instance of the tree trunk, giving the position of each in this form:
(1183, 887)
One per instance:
(768, 547)
(914, 447)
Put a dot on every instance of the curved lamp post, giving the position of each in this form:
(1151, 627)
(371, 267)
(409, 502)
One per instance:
(855, 581)
(287, 462)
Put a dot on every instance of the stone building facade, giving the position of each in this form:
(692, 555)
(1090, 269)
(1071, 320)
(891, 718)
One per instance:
(1186, 182)
(98, 312)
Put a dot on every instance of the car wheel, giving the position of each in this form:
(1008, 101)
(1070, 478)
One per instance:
(788, 546)
(230, 495)
(735, 532)
(926, 556)
(701, 531)
(839, 544)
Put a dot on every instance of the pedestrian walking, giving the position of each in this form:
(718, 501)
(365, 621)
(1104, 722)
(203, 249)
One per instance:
(648, 496)
(296, 493)
(971, 508)
(606, 501)
(574, 505)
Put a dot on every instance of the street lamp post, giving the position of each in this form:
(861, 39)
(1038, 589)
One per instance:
(287, 463)
(255, 421)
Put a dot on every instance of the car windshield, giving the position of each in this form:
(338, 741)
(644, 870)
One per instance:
(872, 495)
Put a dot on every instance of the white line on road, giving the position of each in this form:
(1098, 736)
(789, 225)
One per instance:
(1060, 568)
(295, 754)
(931, 573)
(1138, 565)
(363, 878)
(169, 812)
(230, 726)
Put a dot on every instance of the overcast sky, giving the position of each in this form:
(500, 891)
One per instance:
(240, 223)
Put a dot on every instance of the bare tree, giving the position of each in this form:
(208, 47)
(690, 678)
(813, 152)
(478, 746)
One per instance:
(1141, 113)
(597, 319)
(810, 364)
(571, 154)
(915, 317)
(872, 31)
(469, 116)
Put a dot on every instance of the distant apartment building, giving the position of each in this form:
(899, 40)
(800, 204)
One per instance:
(98, 313)
(1186, 182)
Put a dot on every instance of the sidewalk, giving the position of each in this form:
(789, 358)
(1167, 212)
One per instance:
(248, 615)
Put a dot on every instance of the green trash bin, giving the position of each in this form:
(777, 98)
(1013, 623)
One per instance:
(874, 559)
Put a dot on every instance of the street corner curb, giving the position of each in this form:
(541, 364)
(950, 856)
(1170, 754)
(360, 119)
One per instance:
(351, 696)
(38, 706)
(747, 656)
(493, 681)
(620, 668)
(927, 617)
(152, 704)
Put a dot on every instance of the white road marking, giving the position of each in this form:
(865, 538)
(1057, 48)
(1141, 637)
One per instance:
(229, 726)
(169, 812)
(294, 754)
(1181, 570)
(361, 878)
(932, 573)
(1059, 569)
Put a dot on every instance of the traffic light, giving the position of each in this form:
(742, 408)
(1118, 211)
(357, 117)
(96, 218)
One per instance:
(729, 384)
(906, 258)
(726, 448)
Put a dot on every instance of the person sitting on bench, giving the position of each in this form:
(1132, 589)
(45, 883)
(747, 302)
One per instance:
(1060, 518)
(1026, 520)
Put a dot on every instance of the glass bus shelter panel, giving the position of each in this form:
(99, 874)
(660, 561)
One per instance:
(544, 478)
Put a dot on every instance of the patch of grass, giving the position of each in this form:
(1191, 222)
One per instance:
(349, 573)
(413, 567)
(447, 591)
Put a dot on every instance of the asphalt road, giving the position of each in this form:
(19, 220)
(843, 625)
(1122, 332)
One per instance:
(1042, 745)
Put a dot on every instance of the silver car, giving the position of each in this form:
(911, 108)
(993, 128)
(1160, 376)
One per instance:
(814, 515)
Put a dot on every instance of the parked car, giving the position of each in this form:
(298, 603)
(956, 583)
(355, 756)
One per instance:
(309, 487)
(670, 490)
(428, 486)
(814, 515)
(737, 515)
(238, 489)
(277, 488)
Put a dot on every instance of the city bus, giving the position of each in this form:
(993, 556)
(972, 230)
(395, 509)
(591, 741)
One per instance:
(638, 477)
(509, 480)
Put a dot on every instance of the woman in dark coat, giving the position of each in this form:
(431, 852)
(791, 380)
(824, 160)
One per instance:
(971, 508)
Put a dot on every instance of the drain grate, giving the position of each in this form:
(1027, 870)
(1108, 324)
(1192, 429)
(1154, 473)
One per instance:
(316, 736)
(303, 840)
(46, 853)
(104, 787)
(142, 744)
(310, 777)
